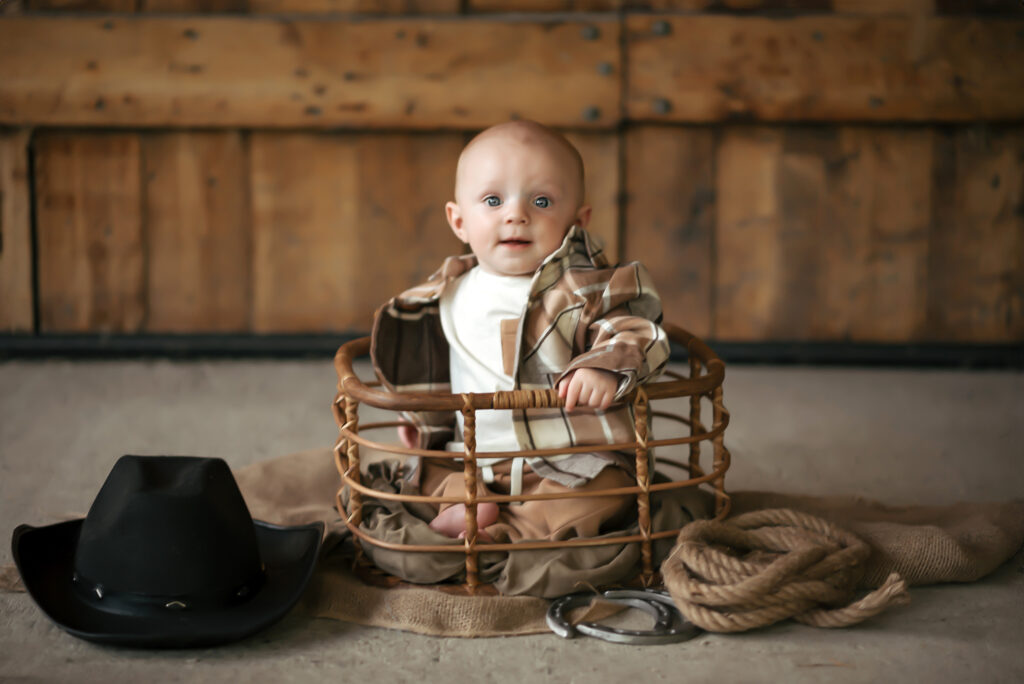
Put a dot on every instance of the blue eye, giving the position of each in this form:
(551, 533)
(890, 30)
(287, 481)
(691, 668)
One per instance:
(542, 202)
(492, 201)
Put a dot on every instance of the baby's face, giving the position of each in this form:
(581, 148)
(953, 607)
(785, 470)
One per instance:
(515, 199)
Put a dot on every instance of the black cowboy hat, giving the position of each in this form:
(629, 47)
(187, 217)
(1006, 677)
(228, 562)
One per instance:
(168, 556)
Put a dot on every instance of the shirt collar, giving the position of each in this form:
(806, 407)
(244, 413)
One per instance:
(578, 245)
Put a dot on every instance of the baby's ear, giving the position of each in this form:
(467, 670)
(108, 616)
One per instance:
(454, 214)
(583, 216)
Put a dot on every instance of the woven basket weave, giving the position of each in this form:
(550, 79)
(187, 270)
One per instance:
(707, 373)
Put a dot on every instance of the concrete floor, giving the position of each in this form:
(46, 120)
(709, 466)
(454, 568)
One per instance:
(898, 436)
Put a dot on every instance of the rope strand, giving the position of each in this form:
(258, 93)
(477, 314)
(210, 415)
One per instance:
(765, 566)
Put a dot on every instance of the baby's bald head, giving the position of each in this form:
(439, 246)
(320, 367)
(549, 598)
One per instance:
(527, 134)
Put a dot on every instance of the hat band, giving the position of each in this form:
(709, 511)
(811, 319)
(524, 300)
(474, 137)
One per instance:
(130, 602)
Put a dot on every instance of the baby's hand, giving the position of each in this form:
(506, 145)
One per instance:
(590, 387)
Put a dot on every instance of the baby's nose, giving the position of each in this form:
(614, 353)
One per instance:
(516, 213)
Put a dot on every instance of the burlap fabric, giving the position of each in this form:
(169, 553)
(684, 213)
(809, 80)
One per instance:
(925, 544)
(961, 542)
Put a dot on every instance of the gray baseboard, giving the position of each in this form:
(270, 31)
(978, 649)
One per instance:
(945, 355)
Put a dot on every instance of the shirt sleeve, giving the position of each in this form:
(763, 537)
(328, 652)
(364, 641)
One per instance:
(624, 334)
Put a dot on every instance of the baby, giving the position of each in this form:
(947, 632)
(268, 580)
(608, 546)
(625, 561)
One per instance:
(535, 306)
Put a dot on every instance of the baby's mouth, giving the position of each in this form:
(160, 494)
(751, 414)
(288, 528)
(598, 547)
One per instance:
(514, 242)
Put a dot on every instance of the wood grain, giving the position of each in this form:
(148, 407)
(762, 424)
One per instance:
(748, 265)
(193, 6)
(16, 268)
(823, 68)
(403, 7)
(670, 217)
(976, 257)
(737, 6)
(600, 152)
(401, 235)
(89, 227)
(884, 6)
(374, 73)
(81, 5)
(878, 200)
(823, 234)
(544, 5)
(406, 7)
(197, 232)
(341, 223)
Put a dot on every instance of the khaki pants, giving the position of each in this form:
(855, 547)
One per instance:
(555, 519)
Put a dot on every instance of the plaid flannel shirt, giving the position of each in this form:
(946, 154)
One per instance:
(581, 313)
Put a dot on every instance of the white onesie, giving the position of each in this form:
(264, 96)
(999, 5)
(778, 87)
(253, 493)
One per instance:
(472, 309)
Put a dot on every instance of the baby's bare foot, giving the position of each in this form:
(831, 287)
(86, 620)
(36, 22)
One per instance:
(451, 522)
(481, 534)
(486, 514)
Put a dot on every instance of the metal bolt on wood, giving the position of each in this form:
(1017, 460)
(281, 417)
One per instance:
(661, 28)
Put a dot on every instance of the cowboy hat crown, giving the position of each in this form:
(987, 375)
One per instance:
(170, 531)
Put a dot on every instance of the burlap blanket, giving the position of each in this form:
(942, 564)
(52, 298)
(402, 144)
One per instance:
(925, 544)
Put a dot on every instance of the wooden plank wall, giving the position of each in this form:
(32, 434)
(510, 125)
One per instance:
(16, 303)
(815, 170)
(827, 233)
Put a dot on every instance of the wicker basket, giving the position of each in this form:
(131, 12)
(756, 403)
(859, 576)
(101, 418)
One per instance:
(707, 372)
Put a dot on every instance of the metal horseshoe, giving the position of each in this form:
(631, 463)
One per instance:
(670, 626)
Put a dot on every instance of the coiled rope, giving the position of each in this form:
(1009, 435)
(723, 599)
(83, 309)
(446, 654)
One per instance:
(765, 566)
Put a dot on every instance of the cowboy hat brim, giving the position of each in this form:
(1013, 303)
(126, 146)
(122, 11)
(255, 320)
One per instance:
(45, 558)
